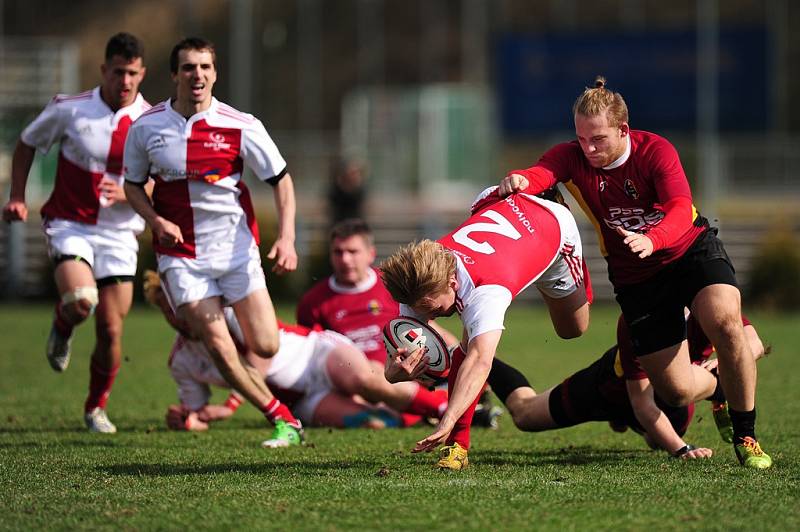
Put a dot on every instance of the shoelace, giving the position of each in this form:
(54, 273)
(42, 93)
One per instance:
(752, 445)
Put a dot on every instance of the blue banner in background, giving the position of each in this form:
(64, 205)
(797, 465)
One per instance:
(539, 77)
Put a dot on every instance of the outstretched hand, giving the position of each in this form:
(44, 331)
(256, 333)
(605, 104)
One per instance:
(636, 242)
(511, 184)
(437, 438)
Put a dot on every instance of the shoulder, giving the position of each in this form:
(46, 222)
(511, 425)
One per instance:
(152, 114)
(228, 113)
(72, 100)
(651, 145)
(318, 291)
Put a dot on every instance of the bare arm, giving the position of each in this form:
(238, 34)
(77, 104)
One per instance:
(283, 250)
(470, 380)
(16, 209)
(655, 422)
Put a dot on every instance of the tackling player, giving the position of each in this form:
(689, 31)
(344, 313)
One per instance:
(90, 228)
(205, 234)
(662, 255)
(477, 270)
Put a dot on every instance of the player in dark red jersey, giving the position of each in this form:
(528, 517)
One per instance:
(90, 228)
(615, 389)
(477, 270)
(662, 255)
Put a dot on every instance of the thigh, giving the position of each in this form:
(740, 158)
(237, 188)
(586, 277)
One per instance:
(340, 411)
(256, 316)
(347, 368)
(669, 368)
(115, 301)
(532, 413)
(71, 274)
(570, 314)
(207, 320)
(654, 312)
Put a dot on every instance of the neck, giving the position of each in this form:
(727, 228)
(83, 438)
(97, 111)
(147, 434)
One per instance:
(189, 108)
(106, 97)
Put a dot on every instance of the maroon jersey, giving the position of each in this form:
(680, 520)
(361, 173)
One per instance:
(358, 312)
(635, 193)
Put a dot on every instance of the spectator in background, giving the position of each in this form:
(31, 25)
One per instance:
(90, 227)
(347, 190)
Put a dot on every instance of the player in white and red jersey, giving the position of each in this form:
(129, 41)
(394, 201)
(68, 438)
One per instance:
(204, 228)
(477, 270)
(662, 255)
(90, 228)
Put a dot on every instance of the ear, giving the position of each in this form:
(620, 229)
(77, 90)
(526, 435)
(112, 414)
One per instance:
(624, 129)
(103, 69)
(453, 282)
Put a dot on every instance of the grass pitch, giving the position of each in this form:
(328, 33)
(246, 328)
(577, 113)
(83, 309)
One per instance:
(54, 475)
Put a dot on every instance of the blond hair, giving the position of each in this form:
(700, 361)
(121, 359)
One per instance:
(599, 100)
(418, 270)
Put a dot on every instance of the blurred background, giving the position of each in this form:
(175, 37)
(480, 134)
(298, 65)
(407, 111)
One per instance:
(402, 111)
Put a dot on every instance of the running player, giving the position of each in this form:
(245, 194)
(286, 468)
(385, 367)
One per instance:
(477, 270)
(90, 228)
(662, 255)
(205, 235)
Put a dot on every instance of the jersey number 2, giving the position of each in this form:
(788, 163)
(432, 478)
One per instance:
(501, 226)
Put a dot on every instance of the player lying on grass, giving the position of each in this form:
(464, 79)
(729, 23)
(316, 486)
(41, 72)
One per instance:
(615, 389)
(322, 374)
(477, 270)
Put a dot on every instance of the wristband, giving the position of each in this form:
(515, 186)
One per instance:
(683, 450)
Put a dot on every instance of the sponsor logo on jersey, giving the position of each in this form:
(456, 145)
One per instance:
(630, 190)
(374, 307)
(211, 176)
(157, 142)
(217, 142)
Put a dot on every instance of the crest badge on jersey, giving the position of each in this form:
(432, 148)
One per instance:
(630, 190)
(374, 307)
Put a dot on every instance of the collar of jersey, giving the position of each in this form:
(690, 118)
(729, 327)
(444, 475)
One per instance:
(212, 109)
(363, 286)
(122, 110)
(622, 158)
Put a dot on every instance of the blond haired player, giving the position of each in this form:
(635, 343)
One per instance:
(90, 228)
(205, 235)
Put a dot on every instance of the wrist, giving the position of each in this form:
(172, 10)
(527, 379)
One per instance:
(683, 450)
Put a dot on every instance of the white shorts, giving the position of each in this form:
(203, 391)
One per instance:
(184, 285)
(110, 252)
(565, 274)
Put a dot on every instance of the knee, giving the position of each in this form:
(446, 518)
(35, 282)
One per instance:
(80, 303)
(109, 331)
(676, 396)
(572, 330)
(267, 348)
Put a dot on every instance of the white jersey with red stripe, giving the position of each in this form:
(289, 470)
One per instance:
(504, 247)
(197, 165)
(92, 138)
(296, 370)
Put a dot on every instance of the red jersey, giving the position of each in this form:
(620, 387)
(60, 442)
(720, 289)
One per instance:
(645, 191)
(358, 312)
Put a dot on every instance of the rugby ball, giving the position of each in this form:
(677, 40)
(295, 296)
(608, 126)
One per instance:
(412, 334)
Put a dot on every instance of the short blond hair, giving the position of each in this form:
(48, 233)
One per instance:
(418, 270)
(598, 100)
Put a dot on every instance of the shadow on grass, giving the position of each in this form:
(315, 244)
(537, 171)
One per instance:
(572, 455)
(168, 470)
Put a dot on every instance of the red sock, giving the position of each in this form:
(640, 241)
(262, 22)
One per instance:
(100, 382)
(428, 403)
(63, 327)
(461, 432)
(275, 410)
(409, 420)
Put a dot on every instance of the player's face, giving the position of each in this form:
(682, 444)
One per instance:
(351, 259)
(601, 143)
(196, 76)
(439, 305)
(121, 79)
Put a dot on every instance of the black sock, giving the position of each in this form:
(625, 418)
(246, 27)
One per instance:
(744, 424)
(718, 395)
(504, 379)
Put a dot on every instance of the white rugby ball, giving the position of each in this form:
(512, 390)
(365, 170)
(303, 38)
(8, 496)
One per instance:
(412, 334)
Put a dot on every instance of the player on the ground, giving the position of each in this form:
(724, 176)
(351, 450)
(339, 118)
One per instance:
(616, 389)
(205, 235)
(353, 302)
(325, 378)
(90, 228)
(662, 255)
(477, 270)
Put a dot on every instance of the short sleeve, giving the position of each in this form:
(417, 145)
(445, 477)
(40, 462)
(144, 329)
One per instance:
(260, 153)
(135, 159)
(46, 129)
(485, 310)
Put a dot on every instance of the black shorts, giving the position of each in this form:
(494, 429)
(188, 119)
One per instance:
(596, 393)
(654, 308)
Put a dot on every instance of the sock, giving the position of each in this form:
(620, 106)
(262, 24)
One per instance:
(718, 396)
(63, 327)
(461, 432)
(504, 379)
(274, 410)
(744, 424)
(428, 403)
(233, 402)
(409, 420)
(100, 382)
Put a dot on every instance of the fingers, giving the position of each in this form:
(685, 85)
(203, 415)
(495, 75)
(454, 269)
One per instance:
(512, 183)
(695, 454)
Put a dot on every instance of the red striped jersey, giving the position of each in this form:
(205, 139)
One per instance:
(91, 138)
(629, 193)
(197, 165)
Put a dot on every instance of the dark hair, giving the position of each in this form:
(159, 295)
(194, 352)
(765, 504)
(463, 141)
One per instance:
(124, 45)
(351, 227)
(191, 43)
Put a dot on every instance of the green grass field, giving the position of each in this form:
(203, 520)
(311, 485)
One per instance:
(55, 475)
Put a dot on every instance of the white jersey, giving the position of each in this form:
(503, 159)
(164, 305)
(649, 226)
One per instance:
(92, 137)
(296, 371)
(197, 165)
